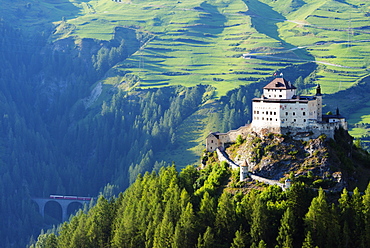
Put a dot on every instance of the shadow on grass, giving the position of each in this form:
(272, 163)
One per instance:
(211, 22)
(265, 19)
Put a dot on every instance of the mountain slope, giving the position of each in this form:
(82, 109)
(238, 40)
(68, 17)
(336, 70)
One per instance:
(92, 92)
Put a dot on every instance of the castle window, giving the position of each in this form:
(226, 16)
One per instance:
(270, 119)
(274, 113)
(211, 141)
(286, 113)
(270, 112)
(294, 120)
(258, 112)
(263, 118)
(293, 113)
(304, 120)
(280, 95)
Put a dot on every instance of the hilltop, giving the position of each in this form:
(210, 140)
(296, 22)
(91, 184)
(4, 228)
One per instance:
(322, 162)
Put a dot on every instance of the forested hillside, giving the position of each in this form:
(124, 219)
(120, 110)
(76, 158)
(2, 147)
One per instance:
(193, 209)
(95, 92)
(52, 144)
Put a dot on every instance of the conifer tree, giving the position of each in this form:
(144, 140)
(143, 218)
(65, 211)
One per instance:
(358, 217)
(100, 222)
(317, 219)
(185, 229)
(286, 230)
(207, 211)
(164, 233)
(239, 240)
(333, 231)
(308, 242)
(225, 218)
(206, 240)
(262, 244)
(259, 221)
(366, 211)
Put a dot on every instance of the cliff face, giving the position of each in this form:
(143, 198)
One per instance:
(320, 162)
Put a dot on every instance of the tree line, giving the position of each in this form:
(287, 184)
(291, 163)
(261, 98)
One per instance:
(193, 208)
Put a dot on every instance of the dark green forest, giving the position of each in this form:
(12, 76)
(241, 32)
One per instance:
(51, 143)
(193, 208)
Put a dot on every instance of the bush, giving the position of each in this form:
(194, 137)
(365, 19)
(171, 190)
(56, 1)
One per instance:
(239, 140)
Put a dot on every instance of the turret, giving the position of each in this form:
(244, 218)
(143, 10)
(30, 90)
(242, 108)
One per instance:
(319, 103)
(243, 171)
(318, 90)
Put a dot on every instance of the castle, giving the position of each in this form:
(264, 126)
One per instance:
(280, 110)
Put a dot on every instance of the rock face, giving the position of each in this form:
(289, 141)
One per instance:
(275, 156)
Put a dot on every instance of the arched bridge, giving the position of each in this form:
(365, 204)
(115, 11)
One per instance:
(63, 201)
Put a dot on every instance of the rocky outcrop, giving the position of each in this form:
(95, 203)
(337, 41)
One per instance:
(275, 156)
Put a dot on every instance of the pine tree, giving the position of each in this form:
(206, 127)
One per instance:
(207, 211)
(317, 219)
(225, 218)
(333, 231)
(308, 242)
(239, 240)
(262, 244)
(286, 230)
(207, 240)
(366, 211)
(358, 217)
(164, 233)
(100, 222)
(185, 229)
(259, 221)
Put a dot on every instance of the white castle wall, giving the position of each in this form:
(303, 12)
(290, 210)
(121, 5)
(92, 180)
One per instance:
(266, 114)
(279, 94)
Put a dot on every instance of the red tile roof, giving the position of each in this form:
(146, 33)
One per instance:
(280, 84)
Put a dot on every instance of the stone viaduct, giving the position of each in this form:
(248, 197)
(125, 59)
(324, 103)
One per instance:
(64, 203)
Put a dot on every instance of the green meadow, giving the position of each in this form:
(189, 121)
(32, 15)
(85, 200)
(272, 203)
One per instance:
(203, 42)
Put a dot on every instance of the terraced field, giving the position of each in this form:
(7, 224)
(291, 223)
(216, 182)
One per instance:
(203, 41)
(223, 43)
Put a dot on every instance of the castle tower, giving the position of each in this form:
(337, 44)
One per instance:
(243, 171)
(279, 88)
(319, 103)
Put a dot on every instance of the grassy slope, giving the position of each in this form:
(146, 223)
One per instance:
(201, 41)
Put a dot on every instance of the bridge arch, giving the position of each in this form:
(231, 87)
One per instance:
(54, 210)
(73, 208)
(64, 204)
